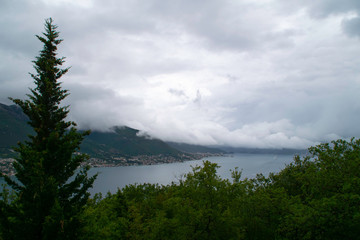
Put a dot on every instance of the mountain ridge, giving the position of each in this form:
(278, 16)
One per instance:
(120, 141)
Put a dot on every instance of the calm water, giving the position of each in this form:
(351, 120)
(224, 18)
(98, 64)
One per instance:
(110, 179)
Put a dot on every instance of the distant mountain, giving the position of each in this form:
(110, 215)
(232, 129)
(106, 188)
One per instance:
(190, 148)
(120, 141)
(13, 128)
(263, 150)
(126, 142)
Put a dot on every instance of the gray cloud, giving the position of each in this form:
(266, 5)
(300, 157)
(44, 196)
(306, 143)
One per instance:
(352, 26)
(250, 73)
(177, 92)
(324, 8)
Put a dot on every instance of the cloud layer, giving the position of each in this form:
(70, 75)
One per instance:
(264, 73)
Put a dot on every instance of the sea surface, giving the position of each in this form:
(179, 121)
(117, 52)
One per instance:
(112, 178)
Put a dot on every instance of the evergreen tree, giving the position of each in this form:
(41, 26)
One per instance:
(49, 190)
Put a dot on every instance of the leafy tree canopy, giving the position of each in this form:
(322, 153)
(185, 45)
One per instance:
(315, 197)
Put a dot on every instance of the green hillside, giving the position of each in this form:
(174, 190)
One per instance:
(13, 128)
(117, 142)
(123, 141)
(120, 141)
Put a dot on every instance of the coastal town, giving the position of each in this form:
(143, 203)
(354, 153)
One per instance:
(6, 164)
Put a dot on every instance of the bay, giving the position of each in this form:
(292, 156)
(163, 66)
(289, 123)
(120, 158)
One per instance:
(112, 178)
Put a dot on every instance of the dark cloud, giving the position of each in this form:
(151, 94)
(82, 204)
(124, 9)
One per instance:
(352, 26)
(324, 8)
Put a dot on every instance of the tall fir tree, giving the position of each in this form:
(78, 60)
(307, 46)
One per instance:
(50, 191)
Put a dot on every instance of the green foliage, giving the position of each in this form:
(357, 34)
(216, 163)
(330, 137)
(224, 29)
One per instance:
(50, 191)
(324, 189)
(315, 197)
(105, 219)
(197, 208)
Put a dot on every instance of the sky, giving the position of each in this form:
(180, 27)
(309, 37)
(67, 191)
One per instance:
(246, 73)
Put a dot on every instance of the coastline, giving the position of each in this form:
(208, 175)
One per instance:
(6, 164)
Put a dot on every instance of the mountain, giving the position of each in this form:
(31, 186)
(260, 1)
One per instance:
(190, 148)
(285, 151)
(13, 128)
(119, 141)
(126, 142)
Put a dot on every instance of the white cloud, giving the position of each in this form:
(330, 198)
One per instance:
(250, 73)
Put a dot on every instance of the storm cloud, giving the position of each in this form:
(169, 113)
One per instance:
(259, 73)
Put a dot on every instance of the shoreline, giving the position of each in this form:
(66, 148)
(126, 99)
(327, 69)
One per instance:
(6, 164)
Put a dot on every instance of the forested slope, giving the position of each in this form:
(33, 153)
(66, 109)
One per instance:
(315, 197)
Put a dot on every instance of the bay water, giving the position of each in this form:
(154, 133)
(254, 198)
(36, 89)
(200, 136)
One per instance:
(112, 178)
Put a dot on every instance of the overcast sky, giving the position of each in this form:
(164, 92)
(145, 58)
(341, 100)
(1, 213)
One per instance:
(249, 73)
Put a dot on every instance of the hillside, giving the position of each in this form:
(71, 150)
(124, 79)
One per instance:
(120, 141)
(190, 148)
(13, 128)
(286, 151)
(124, 141)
